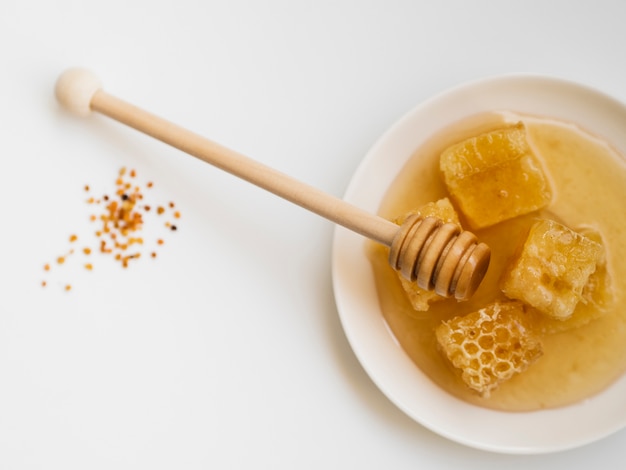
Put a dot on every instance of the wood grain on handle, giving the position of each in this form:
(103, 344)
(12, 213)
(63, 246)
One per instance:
(308, 197)
(437, 256)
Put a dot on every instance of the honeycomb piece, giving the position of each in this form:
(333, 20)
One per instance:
(495, 176)
(598, 292)
(552, 269)
(419, 298)
(491, 345)
(596, 297)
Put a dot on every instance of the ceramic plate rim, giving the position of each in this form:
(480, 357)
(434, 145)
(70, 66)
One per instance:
(379, 354)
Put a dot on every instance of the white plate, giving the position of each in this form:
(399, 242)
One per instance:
(377, 350)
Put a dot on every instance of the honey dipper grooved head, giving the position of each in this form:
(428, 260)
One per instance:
(75, 88)
(439, 256)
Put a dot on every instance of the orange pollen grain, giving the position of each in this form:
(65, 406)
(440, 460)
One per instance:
(120, 221)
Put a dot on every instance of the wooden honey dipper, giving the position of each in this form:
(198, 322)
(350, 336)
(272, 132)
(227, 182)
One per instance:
(437, 256)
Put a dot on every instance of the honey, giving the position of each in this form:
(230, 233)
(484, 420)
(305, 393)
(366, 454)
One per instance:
(581, 355)
(503, 166)
(552, 269)
(491, 345)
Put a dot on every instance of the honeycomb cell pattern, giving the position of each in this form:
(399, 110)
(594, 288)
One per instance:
(491, 345)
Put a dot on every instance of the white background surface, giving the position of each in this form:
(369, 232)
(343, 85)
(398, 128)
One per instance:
(226, 351)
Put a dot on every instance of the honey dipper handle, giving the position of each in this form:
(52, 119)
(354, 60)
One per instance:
(308, 197)
(437, 257)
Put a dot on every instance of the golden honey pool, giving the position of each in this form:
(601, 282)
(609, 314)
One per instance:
(579, 376)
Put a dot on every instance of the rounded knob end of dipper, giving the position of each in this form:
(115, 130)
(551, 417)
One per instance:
(439, 257)
(75, 88)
